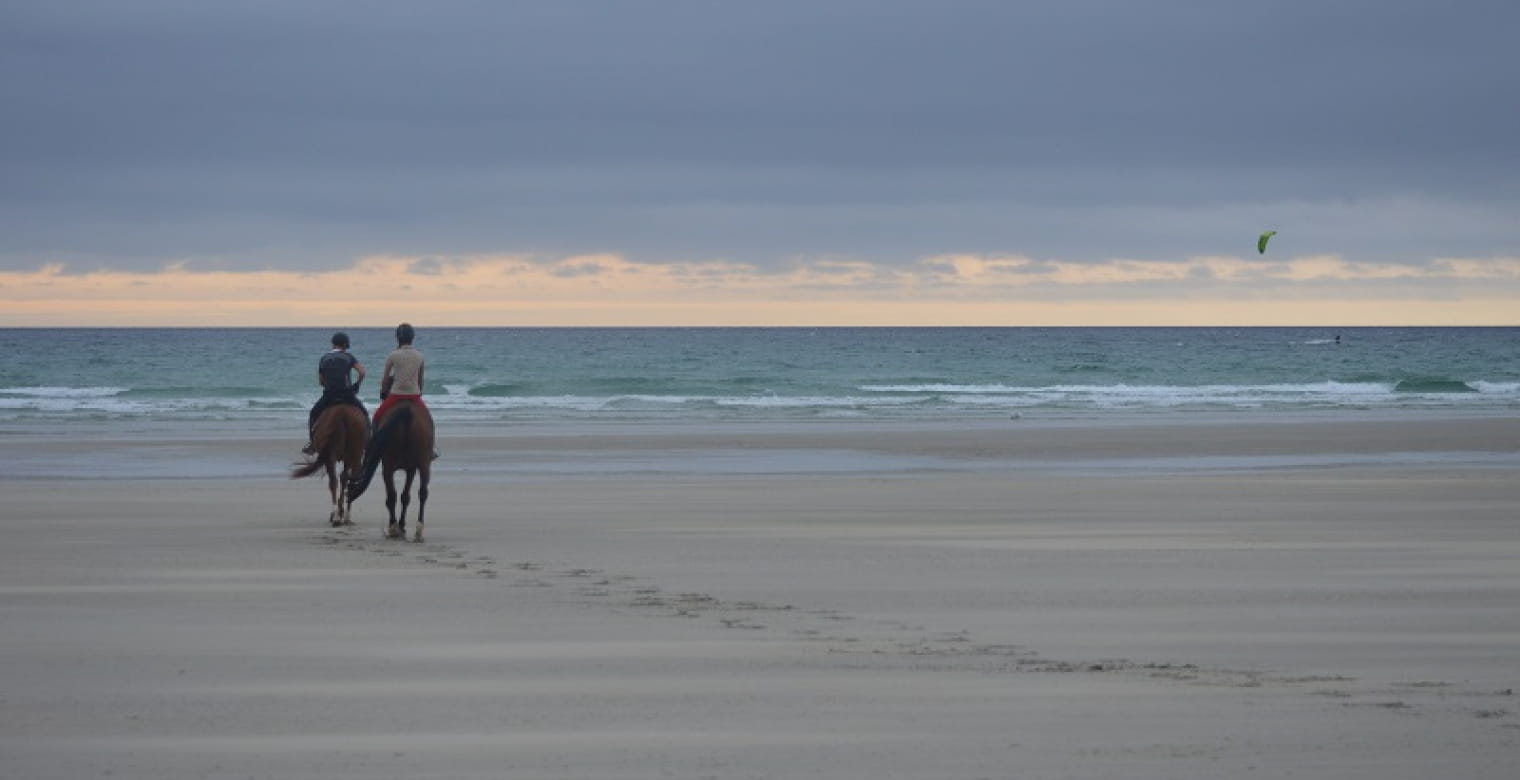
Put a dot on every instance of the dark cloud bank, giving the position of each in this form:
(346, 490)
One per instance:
(301, 135)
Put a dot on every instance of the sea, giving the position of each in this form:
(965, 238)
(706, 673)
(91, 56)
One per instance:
(255, 378)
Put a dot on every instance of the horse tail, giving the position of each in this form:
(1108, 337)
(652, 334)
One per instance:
(305, 469)
(324, 434)
(398, 420)
(332, 438)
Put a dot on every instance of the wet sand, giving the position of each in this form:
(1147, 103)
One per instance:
(1024, 600)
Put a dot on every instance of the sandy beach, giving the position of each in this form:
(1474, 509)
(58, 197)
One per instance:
(1025, 600)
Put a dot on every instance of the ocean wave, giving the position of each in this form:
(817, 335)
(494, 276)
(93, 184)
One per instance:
(970, 398)
(942, 387)
(921, 398)
(278, 404)
(121, 402)
(783, 402)
(489, 390)
(650, 402)
(1434, 384)
(181, 392)
(1119, 396)
(1328, 387)
(463, 401)
(61, 392)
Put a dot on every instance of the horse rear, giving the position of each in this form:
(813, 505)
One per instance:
(403, 442)
(340, 436)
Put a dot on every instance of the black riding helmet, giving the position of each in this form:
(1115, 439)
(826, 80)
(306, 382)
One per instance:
(340, 339)
(405, 333)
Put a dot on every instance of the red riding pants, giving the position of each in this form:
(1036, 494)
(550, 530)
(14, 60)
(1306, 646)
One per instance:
(391, 400)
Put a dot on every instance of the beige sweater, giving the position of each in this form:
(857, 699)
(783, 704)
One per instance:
(404, 364)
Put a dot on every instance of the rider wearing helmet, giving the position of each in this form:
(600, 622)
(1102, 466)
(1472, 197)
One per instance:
(332, 374)
(402, 379)
(404, 370)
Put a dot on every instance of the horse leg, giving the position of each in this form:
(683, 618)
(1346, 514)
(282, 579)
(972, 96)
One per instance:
(424, 475)
(406, 499)
(335, 515)
(345, 498)
(391, 530)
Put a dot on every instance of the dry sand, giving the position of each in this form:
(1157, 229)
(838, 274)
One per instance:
(1016, 601)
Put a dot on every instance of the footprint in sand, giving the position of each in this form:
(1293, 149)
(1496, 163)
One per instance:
(954, 644)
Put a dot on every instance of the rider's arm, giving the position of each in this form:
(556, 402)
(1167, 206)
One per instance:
(387, 379)
(420, 371)
(360, 368)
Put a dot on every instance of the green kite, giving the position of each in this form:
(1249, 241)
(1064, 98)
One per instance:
(1261, 243)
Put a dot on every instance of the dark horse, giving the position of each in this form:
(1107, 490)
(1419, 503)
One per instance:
(340, 435)
(403, 441)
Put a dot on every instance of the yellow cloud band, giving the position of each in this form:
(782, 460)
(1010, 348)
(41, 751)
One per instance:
(941, 290)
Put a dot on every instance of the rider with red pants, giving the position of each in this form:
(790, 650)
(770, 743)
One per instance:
(403, 376)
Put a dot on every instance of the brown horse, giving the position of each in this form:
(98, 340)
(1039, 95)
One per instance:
(403, 441)
(340, 435)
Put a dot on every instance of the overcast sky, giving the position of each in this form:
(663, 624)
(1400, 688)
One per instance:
(304, 136)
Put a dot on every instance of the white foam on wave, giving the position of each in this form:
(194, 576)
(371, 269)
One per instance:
(782, 402)
(1345, 388)
(461, 402)
(943, 388)
(1496, 388)
(455, 401)
(111, 402)
(61, 392)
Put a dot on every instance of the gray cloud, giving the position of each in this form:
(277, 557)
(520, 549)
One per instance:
(300, 135)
